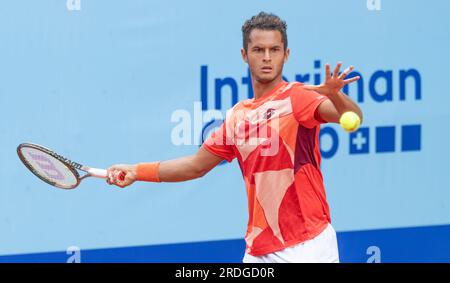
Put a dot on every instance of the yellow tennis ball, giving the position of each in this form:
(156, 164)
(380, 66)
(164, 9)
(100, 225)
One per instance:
(350, 121)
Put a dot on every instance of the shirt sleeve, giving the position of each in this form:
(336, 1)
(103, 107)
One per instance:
(304, 105)
(219, 144)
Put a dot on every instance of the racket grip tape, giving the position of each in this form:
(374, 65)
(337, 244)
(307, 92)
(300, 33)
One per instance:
(99, 173)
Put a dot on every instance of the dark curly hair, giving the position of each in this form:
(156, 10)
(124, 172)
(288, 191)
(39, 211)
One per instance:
(264, 21)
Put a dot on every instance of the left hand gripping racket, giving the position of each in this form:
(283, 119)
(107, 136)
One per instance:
(55, 169)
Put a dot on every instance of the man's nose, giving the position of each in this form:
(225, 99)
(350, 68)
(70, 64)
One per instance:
(266, 55)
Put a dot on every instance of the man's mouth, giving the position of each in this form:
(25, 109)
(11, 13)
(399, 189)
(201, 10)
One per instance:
(266, 69)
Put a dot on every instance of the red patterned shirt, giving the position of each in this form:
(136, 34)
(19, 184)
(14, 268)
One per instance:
(275, 139)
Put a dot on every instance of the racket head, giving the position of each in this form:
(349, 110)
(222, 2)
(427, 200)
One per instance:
(45, 164)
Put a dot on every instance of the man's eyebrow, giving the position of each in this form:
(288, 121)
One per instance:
(258, 46)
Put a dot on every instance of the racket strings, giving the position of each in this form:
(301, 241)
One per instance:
(45, 165)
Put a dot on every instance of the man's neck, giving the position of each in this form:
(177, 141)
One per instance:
(260, 89)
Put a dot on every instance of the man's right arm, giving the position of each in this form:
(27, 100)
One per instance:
(176, 170)
(188, 167)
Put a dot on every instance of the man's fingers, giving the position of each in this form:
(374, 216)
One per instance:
(114, 178)
(118, 178)
(354, 79)
(327, 72)
(336, 70)
(345, 73)
(110, 175)
(125, 182)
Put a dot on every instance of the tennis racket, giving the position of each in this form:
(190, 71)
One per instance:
(55, 169)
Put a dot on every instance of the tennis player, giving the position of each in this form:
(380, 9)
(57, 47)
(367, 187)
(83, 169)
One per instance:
(275, 138)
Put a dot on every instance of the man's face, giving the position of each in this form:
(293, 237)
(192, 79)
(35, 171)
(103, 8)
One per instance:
(265, 55)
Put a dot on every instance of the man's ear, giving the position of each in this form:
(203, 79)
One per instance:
(286, 54)
(244, 55)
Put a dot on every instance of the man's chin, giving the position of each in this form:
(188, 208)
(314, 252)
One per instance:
(265, 79)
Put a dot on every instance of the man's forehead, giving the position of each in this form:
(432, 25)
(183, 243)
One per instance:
(265, 37)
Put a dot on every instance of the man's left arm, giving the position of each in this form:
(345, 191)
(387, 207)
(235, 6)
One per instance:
(331, 109)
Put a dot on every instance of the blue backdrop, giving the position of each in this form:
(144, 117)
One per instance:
(101, 82)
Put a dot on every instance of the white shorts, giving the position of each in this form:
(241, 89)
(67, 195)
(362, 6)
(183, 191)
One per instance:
(321, 249)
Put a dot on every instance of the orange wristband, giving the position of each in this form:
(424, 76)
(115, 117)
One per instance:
(148, 172)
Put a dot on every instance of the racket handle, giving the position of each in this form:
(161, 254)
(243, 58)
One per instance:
(99, 173)
(102, 173)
